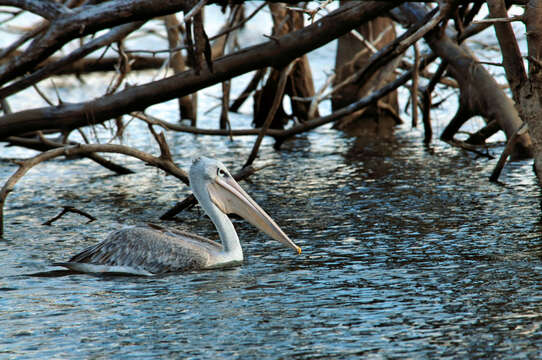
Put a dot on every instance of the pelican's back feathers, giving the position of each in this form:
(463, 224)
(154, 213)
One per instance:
(139, 250)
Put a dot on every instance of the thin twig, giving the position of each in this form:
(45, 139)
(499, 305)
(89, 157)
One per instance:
(42, 95)
(414, 90)
(195, 10)
(427, 101)
(318, 97)
(312, 13)
(499, 20)
(44, 144)
(248, 90)
(279, 134)
(214, 37)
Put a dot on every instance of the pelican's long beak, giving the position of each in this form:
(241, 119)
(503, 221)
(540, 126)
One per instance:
(231, 198)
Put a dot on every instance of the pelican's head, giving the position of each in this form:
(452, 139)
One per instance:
(212, 182)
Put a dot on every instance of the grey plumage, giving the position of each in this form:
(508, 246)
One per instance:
(156, 250)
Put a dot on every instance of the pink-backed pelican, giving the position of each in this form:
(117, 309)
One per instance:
(156, 250)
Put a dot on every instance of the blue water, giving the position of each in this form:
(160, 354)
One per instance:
(406, 253)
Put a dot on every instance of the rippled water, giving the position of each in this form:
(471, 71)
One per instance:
(407, 252)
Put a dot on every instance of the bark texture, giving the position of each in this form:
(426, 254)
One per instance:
(352, 56)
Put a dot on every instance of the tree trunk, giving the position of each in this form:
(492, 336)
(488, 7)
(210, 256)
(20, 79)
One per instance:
(187, 107)
(352, 55)
(299, 82)
(531, 92)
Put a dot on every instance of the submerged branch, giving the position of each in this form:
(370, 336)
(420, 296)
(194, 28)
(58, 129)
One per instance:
(68, 209)
(164, 164)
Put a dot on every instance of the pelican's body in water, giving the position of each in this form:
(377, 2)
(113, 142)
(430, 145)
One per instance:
(156, 250)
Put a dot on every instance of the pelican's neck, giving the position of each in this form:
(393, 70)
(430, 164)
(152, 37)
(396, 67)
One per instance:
(228, 236)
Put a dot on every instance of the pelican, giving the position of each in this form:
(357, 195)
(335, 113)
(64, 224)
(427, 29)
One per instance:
(157, 250)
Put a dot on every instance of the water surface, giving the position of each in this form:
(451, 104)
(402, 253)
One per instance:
(406, 253)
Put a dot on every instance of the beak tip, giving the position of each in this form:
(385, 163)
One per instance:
(298, 250)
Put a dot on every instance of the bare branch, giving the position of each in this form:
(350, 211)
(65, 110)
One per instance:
(66, 210)
(23, 39)
(195, 10)
(81, 21)
(414, 90)
(292, 45)
(52, 68)
(511, 54)
(44, 144)
(45, 8)
(248, 90)
(499, 20)
(214, 37)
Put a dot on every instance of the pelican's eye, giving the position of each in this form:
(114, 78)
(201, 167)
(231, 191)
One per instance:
(222, 173)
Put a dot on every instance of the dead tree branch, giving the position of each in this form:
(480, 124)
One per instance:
(511, 55)
(52, 68)
(68, 24)
(47, 9)
(282, 135)
(506, 153)
(480, 93)
(42, 144)
(289, 47)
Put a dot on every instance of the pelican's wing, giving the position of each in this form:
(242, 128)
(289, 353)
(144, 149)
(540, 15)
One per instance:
(144, 251)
